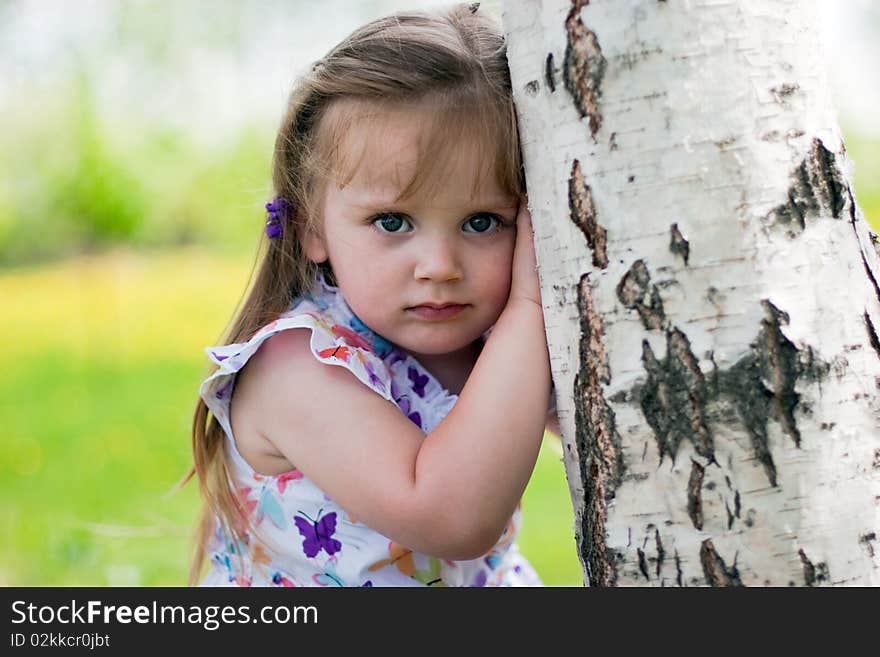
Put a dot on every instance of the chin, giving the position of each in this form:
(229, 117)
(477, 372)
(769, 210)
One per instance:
(438, 345)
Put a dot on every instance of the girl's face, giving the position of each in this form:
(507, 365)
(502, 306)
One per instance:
(391, 257)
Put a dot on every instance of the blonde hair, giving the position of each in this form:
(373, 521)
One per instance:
(452, 62)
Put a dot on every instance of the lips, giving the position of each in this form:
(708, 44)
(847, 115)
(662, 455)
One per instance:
(437, 311)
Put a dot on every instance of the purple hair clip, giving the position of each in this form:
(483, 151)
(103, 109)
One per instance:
(277, 210)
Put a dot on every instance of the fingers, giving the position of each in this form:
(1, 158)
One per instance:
(525, 238)
(525, 282)
(523, 211)
(524, 223)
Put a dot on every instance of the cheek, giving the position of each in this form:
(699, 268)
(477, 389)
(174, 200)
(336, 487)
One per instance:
(365, 284)
(495, 272)
(351, 261)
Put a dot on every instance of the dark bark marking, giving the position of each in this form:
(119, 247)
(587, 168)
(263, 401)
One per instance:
(661, 553)
(583, 214)
(853, 216)
(872, 334)
(592, 331)
(762, 384)
(809, 570)
(532, 87)
(643, 565)
(550, 73)
(678, 568)
(724, 143)
(716, 571)
(867, 539)
(731, 516)
(678, 244)
(876, 463)
(871, 277)
(781, 363)
(583, 66)
(783, 91)
(695, 494)
(680, 403)
(830, 174)
(813, 574)
(636, 292)
(598, 441)
(817, 190)
(674, 398)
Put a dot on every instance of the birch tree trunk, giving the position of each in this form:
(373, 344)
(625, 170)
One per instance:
(710, 288)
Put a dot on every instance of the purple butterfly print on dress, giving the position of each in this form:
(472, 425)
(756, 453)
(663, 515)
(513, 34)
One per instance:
(403, 403)
(395, 357)
(480, 579)
(419, 381)
(398, 394)
(318, 534)
(374, 379)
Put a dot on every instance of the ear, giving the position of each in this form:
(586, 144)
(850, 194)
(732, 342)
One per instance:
(312, 244)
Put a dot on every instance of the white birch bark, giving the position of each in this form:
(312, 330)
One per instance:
(710, 290)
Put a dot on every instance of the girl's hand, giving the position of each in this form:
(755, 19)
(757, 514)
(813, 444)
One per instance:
(524, 285)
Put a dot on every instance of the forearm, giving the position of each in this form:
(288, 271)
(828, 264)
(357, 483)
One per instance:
(479, 459)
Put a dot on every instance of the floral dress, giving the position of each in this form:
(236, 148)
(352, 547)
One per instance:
(305, 538)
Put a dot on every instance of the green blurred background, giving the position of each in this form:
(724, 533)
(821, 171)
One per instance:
(135, 144)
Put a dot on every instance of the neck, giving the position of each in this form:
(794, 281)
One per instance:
(452, 370)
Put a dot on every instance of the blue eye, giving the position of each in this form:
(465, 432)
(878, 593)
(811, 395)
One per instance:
(390, 223)
(482, 223)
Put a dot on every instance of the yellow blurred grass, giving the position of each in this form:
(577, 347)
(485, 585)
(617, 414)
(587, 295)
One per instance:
(122, 305)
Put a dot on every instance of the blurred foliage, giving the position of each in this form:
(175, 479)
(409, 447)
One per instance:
(75, 182)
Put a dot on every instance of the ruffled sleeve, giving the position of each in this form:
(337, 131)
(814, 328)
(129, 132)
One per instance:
(331, 343)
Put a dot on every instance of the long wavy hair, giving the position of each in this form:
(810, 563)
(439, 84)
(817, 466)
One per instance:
(451, 62)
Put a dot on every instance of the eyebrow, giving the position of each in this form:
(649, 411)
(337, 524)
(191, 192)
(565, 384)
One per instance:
(377, 201)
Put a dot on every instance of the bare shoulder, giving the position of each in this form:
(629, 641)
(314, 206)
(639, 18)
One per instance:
(287, 350)
(284, 395)
(289, 409)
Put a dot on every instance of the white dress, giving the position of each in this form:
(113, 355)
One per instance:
(305, 538)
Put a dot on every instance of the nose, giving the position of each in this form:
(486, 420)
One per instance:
(437, 259)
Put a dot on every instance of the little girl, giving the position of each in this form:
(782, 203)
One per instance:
(364, 427)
